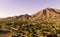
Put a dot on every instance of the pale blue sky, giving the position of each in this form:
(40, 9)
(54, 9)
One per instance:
(18, 7)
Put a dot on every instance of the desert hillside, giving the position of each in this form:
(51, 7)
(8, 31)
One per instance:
(47, 13)
(44, 23)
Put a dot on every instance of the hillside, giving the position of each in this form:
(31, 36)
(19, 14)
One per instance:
(47, 13)
(45, 23)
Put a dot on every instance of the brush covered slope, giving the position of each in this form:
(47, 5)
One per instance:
(45, 23)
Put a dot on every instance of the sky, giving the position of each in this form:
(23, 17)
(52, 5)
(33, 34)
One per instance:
(19, 7)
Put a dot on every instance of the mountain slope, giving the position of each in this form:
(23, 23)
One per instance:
(26, 16)
(47, 13)
(32, 26)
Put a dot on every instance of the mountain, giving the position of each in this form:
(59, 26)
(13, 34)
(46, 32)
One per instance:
(26, 16)
(31, 25)
(47, 13)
